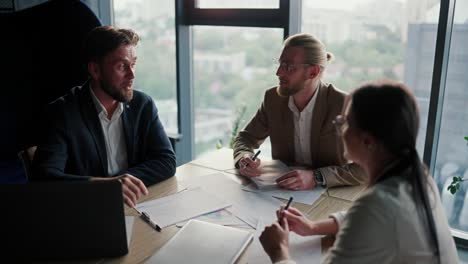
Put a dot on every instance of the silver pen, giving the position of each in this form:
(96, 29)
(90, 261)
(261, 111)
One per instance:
(145, 216)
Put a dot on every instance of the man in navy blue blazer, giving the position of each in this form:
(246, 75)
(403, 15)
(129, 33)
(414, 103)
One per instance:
(105, 130)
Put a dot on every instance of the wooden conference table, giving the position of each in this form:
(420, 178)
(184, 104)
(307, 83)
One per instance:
(145, 241)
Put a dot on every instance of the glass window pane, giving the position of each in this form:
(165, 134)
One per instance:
(452, 151)
(397, 44)
(232, 68)
(154, 21)
(237, 4)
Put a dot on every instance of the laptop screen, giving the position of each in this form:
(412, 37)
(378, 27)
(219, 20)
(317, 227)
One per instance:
(63, 220)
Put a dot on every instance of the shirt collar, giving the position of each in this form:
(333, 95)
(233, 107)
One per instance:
(101, 109)
(309, 107)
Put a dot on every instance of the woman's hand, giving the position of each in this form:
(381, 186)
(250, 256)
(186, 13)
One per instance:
(275, 240)
(298, 223)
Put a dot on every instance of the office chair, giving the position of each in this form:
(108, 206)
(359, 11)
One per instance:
(41, 61)
(26, 157)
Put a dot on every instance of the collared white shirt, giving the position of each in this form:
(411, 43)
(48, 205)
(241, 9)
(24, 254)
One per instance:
(116, 148)
(302, 130)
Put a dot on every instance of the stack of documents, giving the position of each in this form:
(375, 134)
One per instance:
(203, 242)
(248, 206)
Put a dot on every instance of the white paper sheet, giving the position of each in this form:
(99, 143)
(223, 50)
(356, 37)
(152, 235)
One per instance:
(221, 217)
(182, 206)
(248, 206)
(129, 228)
(305, 197)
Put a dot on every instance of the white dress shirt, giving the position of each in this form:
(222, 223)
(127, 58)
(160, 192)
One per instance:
(116, 148)
(302, 130)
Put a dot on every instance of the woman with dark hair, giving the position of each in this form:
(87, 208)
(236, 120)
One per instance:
(399, 218)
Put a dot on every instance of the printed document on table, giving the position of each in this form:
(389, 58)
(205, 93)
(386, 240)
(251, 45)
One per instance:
(305, 197)
(248, 206)
(221, 217)
(181, 206)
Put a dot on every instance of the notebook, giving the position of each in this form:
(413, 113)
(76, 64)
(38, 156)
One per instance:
(270, 171)
(202, 242)
(62, 220)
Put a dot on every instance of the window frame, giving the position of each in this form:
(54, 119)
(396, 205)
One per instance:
(288, 17)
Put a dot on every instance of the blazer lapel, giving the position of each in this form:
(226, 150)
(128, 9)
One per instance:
(129, 132)
(318, 116)
(91, 120)
(288, 121)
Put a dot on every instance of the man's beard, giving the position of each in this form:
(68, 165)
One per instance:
(115, 93)
(288, 91)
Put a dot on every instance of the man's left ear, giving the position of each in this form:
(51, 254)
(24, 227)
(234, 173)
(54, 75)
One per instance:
(314, 71)
(93, 70)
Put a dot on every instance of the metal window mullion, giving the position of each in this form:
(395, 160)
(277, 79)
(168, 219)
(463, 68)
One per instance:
(185, 106)
(186, 16)
(294, 19)
(439, 78)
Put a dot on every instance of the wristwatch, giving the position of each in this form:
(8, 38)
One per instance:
(319, 178)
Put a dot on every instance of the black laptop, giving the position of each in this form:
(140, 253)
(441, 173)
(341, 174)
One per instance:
(62, 220)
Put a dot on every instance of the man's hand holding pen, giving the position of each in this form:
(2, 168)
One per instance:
(249, 166)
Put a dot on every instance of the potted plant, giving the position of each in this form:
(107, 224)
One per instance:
(456, 181)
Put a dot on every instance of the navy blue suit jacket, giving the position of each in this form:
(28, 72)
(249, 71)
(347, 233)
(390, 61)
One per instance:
(72, 146)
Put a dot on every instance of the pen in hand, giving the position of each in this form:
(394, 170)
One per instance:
(256, 155)
(287, 207)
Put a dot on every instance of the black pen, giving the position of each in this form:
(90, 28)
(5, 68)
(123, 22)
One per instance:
(256, 155)
(287, 207)
(145, 216)
(289, 203)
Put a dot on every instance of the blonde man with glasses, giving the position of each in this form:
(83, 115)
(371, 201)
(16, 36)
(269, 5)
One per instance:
(297, 116)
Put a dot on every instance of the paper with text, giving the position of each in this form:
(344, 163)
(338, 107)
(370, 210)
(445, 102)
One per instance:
(305, 197)
(248, 206)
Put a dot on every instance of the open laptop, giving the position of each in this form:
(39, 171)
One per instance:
(62, 220)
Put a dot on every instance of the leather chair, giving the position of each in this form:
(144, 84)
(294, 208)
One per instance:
(26, 157)
(41, 61)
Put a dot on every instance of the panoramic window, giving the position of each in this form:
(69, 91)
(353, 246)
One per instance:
(233, 67)
(154, 21)
(397, 44)
(452, 150)
(237, 4)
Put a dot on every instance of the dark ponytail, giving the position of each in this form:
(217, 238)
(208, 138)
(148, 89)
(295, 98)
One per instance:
(389, 112)
(420, 185)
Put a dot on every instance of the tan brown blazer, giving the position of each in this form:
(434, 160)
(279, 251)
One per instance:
(275, 119)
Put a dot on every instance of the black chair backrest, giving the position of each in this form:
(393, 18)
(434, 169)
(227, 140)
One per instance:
(41, 61)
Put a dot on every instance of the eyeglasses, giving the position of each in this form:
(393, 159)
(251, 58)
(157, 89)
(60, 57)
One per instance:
(290, 67)
(340, 121)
